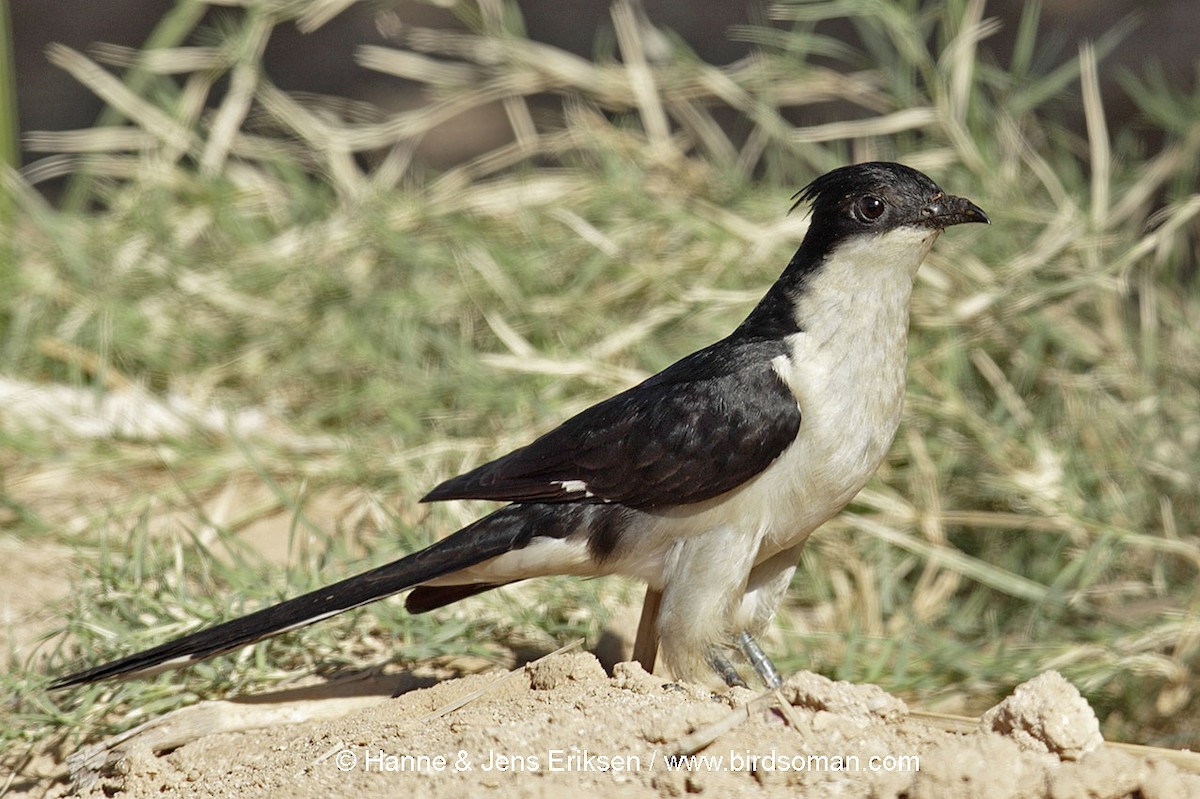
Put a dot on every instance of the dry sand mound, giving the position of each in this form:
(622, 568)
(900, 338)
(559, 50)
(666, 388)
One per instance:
(563, 727)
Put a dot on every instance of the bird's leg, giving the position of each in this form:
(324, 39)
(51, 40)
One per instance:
(725, 669)
(757, 658)
(645, 645)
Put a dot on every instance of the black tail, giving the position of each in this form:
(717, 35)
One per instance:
(506, 529)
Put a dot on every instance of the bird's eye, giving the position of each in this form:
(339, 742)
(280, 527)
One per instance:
(868, 208)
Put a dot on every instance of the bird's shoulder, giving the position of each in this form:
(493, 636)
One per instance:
(697, 429)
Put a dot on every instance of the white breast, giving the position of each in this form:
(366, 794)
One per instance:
(847, 370)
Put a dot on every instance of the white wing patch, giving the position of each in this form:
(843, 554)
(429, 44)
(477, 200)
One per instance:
(574, 487)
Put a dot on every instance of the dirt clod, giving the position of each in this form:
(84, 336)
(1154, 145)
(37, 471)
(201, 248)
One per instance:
(1046, 714)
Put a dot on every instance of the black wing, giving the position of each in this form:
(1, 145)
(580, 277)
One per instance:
(696, 430)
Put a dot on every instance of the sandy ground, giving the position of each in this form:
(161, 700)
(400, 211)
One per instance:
(561, 726)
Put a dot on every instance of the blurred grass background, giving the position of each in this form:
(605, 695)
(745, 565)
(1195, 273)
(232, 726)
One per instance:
(252, 333)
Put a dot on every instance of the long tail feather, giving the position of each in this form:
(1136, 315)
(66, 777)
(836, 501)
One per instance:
(486, 538)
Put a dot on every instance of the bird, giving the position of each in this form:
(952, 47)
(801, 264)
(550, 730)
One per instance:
(705, 480)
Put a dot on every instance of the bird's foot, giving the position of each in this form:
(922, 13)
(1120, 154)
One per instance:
(759, 661)
(754, 655)
(725, 669)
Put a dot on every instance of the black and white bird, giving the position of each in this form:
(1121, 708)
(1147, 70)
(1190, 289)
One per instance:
(705, 480)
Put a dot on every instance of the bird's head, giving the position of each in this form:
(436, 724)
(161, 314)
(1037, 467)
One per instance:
(879, 197)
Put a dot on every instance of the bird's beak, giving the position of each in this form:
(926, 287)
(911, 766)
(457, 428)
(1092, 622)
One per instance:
(944, 211)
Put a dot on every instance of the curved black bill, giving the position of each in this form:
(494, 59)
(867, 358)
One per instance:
(946, 211)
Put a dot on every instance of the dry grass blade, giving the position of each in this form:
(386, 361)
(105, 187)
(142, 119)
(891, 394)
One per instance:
(504, 197)
(1004, 581)
(336, 158)
(145, 115)
(705, 130)
(641, 78)
(935, 587)
(823, 85)
(705, 736)
(414, 125)
(55, 166)
(163, 61)
(414, 66)
(896, 122)
(1003, 387)
(324, 701)
(1174, 218)
(1099, 148)
(960, 57)
(89, 140)
(590, 371)
(231, 114)
(1154, 174)
(317, 12)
